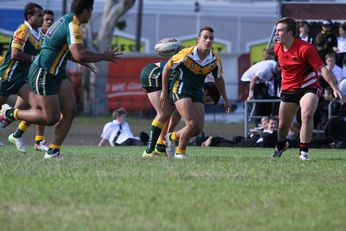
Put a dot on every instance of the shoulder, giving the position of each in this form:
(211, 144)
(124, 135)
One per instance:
(182, 54)
(217, 57)
(22, 29)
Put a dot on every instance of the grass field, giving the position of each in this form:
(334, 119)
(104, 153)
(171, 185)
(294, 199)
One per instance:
(213, 189)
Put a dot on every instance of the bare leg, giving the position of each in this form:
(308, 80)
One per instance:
(68, 110)
(192, 113)
(287, 112)
(308, 105)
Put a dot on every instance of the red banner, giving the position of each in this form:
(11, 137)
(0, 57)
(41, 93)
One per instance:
(124, 87)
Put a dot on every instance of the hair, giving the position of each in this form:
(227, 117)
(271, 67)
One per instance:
(269, 53)
(30, 9)
(48, 12)
(208, 28)
(77, 6)
(303, 23)
(330, 55)
(291, 24)
(343, 26)
(118, 112)
(212, 91)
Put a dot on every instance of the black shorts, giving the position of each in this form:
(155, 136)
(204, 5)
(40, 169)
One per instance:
(295, 96)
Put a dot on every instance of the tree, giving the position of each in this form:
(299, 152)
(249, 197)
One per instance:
(94, 87)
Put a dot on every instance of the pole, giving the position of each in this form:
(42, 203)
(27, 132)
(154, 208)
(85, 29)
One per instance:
(139, 26)
(64, 4)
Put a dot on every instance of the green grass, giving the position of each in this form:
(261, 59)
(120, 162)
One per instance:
(213, 189)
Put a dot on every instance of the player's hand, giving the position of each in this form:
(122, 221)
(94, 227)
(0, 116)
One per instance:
(228, 107)
(113, 55)
(163, 98)
(338, 95)
(249, 98)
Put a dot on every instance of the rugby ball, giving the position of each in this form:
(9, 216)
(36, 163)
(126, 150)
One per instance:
(167, 47)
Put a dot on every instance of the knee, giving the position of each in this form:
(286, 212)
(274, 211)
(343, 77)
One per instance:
(307, 116)
(69, 112)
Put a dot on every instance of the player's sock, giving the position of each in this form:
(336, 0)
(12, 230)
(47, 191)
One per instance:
(22, 127)
(281, 145)
(304, 147)
(155, 130)
(38, 139)
(160, 145)
(11, 114)
(180, 151)
(174, 137)
(53, 148)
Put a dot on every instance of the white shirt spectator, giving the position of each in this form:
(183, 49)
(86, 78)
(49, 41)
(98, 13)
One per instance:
(111, 129)
(338, 72)
(264, 71)
(341, 44)
(342, 86)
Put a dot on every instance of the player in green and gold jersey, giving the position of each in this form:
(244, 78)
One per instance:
(62, 41)
(186, 90)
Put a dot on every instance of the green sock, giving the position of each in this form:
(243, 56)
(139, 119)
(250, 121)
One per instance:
(52, 151)
(154, 135)
(18, 133)
(10, 114)
(161, 147)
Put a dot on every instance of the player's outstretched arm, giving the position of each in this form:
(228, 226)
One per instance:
(83, 55)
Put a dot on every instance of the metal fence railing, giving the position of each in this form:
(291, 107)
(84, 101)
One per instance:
(249, 116)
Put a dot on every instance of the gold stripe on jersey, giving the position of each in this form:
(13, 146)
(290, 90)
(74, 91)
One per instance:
(75, 32)
(193, 66)
(186, 57)
(20, 36)
(36, 43)
(175, 86)
(58, 59)
(9, 69)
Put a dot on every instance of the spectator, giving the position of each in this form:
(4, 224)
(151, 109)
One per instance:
(326, 40)
(341, 48)
(260, 78)
(304, 28)
(118, 132)
(335, 69)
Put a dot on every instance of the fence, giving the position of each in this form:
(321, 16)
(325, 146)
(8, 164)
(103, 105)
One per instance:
(252, 116)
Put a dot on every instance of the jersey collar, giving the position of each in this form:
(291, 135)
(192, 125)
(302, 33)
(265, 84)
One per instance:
(196, 57)
(36, 34)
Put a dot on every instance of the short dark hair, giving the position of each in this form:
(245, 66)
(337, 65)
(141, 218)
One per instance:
(48, 12)
(77, 6)
(208, 28)
(30, 9)
(303, 23)
(291, 24)
(212, 91)
(118, 112)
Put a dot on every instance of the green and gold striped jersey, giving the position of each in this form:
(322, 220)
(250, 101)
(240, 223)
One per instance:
(191, 71)
(55, 49)
(27, 40)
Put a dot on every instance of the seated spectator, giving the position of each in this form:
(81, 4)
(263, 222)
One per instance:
(293, 135)
(260, 78)
(326, 41)
(118, 132)
(304, 28)
(341, 49)
(269, 136)
(331, 66)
